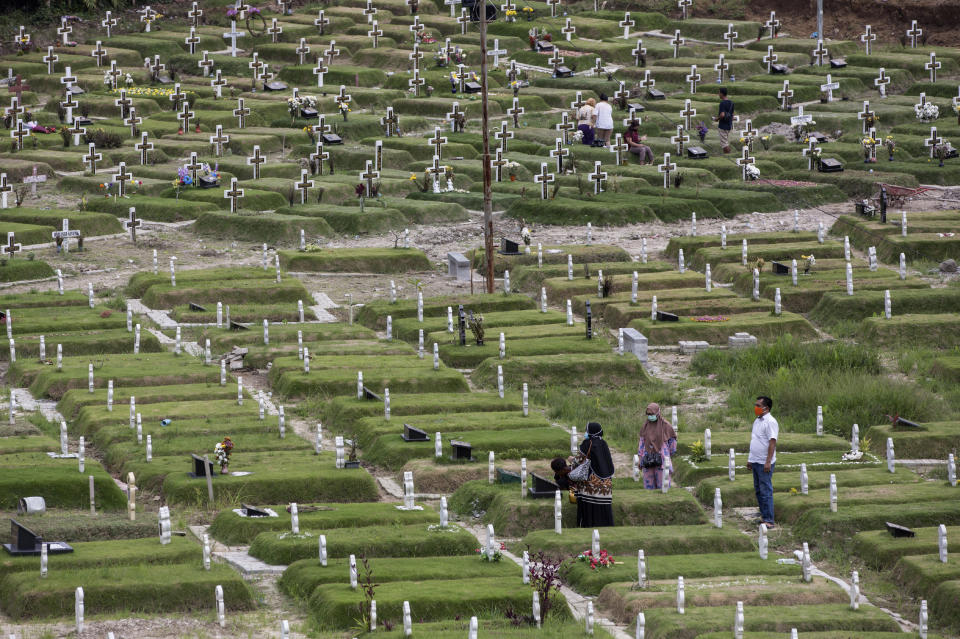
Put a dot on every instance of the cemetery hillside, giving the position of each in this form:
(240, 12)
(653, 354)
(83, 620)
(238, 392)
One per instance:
(463, 319)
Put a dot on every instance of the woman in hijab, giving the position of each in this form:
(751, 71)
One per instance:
(658, 444)
(595, 496)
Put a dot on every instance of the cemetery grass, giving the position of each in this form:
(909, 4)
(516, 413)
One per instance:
(85, 342)
(344, 412)
(416, 540)
(847, 380)
(248, 291)
(360, 260)
(140, 282)
(134, 589)
(933, 438)
(59, 483)
(820, 523)
(583, 371)
(231, 529)
(374, 315)
(80, 526)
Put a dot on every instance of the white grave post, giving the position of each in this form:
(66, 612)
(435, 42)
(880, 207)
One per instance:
(164, 517)
(891, 461)
(707, 443)
(855, 438)
(60, 357)
(281, 422)
(763, 542)
(903, 266)
(63, 438)
(149, 448)
(776, 302)
(386, 404)
(353, 572)
(78, 608)
(500, 381)
(437, 445)
(804, 480)
(436, 356)
(223, 372)
(922, 626)
(951, 470)
(524, 399)
(110, 395)
(80, 454)
(573, 440)
(942, 543)
(833, 493)
(717, 509)
(490, 467)
(805, 563)
(557, 513)
(681, 596)
(323, 550)
(589, 618)
(732, 465)
(738, 622)
(569, 313)
(221, 612)
(90, 378)
(820, 421)
(708, 279)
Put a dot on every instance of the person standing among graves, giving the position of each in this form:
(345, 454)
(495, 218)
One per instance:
(763, 456)
(585, 120)
(658, 445)
(725, 119)
(635, 144)
(595, 495)
(603, 113)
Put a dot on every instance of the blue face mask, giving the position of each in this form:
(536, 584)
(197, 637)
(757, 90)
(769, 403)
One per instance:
(652, 418)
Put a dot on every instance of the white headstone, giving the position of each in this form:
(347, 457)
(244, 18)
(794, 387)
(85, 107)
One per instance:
(732, 465)
(717, 509)
(681, 596)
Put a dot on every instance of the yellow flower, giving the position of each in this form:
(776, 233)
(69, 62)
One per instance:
(413, 176)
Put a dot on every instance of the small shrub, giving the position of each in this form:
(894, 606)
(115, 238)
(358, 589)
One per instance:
(103, 139)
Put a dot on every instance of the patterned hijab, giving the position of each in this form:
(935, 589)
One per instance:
(656, 434)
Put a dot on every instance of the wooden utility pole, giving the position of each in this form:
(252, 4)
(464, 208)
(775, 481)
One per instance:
(487, 171)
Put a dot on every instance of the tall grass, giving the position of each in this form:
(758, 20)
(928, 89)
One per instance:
(846, 379)
(620, 411)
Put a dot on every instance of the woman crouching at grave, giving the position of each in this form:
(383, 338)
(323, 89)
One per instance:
(658, 445)
(594, 481)
(585, 120)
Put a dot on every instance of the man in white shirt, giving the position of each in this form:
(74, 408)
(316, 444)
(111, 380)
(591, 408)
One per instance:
(763, 456)
(603, 113)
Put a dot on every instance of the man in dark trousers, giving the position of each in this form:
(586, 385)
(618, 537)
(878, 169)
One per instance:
(725, 120)
(763, 456)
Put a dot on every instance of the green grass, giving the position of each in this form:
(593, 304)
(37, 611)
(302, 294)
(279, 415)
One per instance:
(435, 326)
(374, 314)
(359, 260)
(37, 321)
(943, 604)
(301, 578)
(691, 243)
(688, 471)
(416, 378)
(231, 529)
(740, 492)
(514, 516)
(107, 555)
(763, 325)
(836, 307)
(89, 224)
(19, 270)
(150, 369)
(910, 331)
(697, 622)
(245, 313)
(845, 379)
(80, 526)
(337, 606)
(825, 525)
(921, 574)
(262, 291)
(558, 370)
(313, 335)
(789, 508)
(531, 278)
(43, 298)
(933, 439)
(532, 443)
(278, 477)
(274, 228)
(131, 589)
(156, 209)
(93, 342)
(472, 355)
(342, 413)
(58, 481)
(74, 400)
(562, 288)
(552, 254)
(27, 234)
(455, 425)
(141, 282)
(350, 220)
(573, 212)
(879, 550)
(626, 540)
(373, 541)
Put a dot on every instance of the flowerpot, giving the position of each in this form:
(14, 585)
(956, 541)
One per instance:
(480, 342)
(513, 178)
(351, 464)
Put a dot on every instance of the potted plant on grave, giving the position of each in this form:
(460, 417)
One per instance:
(702, 131)
(529, 13)
(222, 452)
(942, 151)
(891, 145)
(868, 144)
(526, 237)
(476, 327)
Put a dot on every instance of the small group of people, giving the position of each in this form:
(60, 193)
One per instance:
(595, 124)
(588, 475)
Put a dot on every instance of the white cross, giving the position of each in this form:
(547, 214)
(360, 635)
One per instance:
(770, 58)
(192, 41)
(233, 34)
(453, 6)
(34, 179)
(720, 67)
(933, 141)
(648, 82)
(543, 179)
(881, 82)
(5, 187)
(559, 152)
(275, 30)
(868, 37)
(932, 66)
(785, 95)
(679, 139)
(619, 147)
(597, 177)
(627, 23)
(865, 115)
(568, 30)
(515, 112)
(666, 168)
(914, 32)
(820, 53)
(108, 23)
(829, 86)
(195, 14)
(64, 30)
(233, 194)
(320, 70)
(683, 4)
(375, 32)
(677, 42)
(744, 161)
(144, 146)
(320, 21)
(730, 36)
(51, 59)
(496, 52)
(687, 114)
(811, 152)
(639, 53)
(206, 64)
(693, 78)
(772, 24)
(92, 158)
